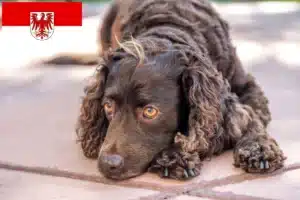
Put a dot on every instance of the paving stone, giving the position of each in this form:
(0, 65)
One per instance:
(284, 186)
(23, 186)
(185, 197)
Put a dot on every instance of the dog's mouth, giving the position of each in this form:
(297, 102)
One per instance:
(124, 174)
(120, 173)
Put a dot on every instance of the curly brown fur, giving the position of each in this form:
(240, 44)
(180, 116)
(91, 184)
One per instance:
(225, 107)
(92, 124)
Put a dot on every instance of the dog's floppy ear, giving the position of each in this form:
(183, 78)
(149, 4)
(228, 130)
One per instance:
(201, 84)
(92, 123)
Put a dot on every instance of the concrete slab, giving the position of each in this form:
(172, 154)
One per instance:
(284, 186)
(23, 186)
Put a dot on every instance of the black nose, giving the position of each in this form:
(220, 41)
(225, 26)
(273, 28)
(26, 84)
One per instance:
(111, 162)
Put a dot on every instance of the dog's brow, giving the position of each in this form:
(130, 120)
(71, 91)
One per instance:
(143, 98)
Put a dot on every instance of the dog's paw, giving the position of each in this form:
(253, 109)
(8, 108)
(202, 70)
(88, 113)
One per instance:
(176, 165)
(259, 156)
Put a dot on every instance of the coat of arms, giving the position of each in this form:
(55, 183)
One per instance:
(42, 25)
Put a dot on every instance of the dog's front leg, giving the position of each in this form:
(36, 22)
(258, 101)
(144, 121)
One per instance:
(176, 163)
(257, 151)
(254, 149)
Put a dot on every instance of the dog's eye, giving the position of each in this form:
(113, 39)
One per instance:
(108, 107)
(150, 112)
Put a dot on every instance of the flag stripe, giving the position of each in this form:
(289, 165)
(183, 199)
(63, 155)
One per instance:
(18, 13)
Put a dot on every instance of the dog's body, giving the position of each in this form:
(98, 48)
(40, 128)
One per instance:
(174, 95)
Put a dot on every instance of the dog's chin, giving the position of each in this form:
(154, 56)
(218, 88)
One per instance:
(122, 176)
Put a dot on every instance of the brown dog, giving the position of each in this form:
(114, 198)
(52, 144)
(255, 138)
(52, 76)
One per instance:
(170, 91)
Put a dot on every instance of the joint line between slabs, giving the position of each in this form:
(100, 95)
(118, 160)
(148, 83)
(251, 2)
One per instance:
(165, 192)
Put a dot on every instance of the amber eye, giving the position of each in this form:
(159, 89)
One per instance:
(150, 112)
(108, 107)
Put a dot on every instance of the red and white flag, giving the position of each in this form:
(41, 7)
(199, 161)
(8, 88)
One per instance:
(41, 18)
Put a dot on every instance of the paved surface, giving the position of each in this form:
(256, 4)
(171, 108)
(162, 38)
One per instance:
(39, 158)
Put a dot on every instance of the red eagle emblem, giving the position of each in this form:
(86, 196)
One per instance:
(42, 25)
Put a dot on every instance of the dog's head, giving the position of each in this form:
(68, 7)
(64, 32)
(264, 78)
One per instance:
(137, 104)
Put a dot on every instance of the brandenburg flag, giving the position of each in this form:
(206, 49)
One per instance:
(41, 17)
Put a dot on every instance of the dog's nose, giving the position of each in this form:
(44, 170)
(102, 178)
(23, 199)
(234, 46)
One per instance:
(111, 162)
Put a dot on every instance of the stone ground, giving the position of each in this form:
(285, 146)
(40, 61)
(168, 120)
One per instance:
(39, 158)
